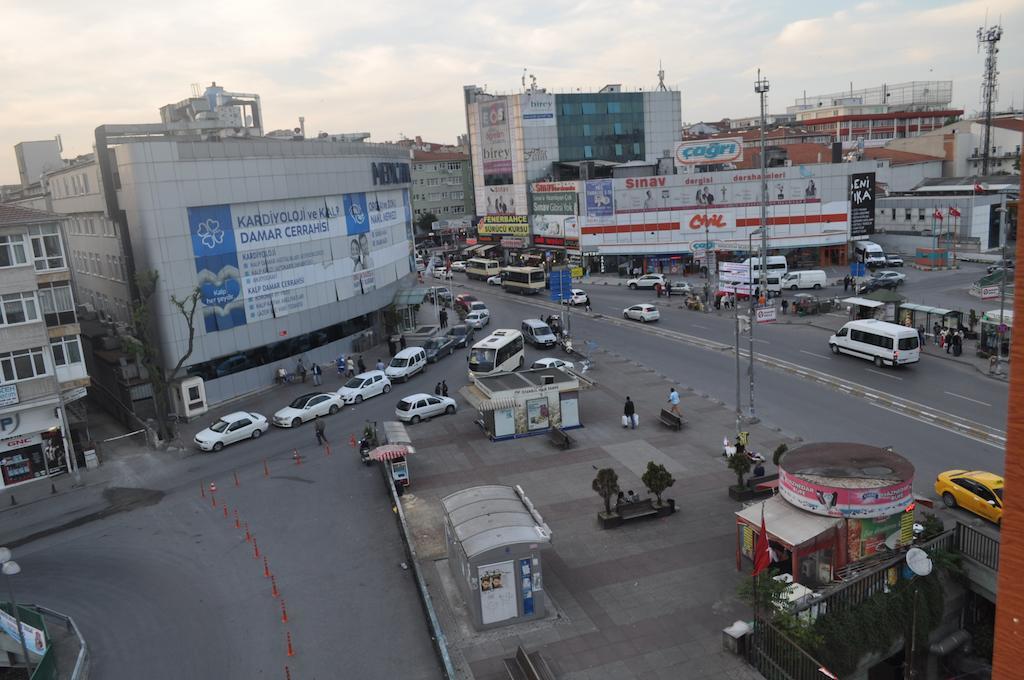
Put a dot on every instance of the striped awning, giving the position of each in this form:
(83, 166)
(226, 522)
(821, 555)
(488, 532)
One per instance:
(391, 452)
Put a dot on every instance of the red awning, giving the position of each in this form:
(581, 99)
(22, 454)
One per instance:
(391, 452)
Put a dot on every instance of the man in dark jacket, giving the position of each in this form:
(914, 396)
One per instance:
(629, 414)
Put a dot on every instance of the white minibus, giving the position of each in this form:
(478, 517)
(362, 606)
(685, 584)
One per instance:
(500, 352)
(879, 341)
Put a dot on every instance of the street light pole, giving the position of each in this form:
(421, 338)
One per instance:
(1000, 333)
(761, 89)
(11, 568)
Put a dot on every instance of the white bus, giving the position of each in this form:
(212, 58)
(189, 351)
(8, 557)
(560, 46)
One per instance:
(878, 341)
(776, 265)
(481, 268)
(499, 352)
(522, 280)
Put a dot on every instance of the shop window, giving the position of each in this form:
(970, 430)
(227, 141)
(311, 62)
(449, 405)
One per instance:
(66, 350)
(46, 247)
(22, 365)
(12, 250)
(18, 308)
(58, 304)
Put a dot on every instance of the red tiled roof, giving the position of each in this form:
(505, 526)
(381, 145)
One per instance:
(13, 215)
(1009, 123)
(897, 157)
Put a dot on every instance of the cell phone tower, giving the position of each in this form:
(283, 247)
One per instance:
(988, 38)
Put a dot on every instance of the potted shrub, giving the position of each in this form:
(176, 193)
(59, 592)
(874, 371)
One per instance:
(780, 451)
(606, 485)
(740, 464)
(657, 480)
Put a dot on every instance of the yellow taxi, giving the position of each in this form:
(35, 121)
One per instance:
(973, 490)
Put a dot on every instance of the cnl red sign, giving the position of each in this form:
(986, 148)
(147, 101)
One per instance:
(701, 220)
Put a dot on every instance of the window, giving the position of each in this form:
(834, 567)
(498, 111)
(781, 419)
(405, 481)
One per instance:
(920, 214)
(57, 303)
(586, 130)
(618, 149)
(636, 148)
(894, 214)
(22, 365)
(908, 214)
(588, 151)
(66, 350)
(614, 107)
(588, 108)
(46, 247)
(617, 127)
(19, 308)
(12, 250)
(568, 110)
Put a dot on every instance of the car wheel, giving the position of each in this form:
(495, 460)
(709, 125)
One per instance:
(334, 409)
(296, 422)
(878, 361)
(387, 388)
(643, 319)
(792, 287)
(949, 500)
(415, 419)
(359, 398)
(256, 433)
(632, 286)
(817, 286)
(625, 316)
(520, 362)
(450, 350)
(217, 446)
(450, 410)
(899, 282)
(835, 349)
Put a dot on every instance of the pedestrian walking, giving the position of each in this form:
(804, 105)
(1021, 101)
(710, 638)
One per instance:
(935, 333)
(339, 363)
(629, 418)
(300, 369)
(437, 389)
(673, 398)
(321, 436)
(921, 335)
(401, 341)
(362, 364)
(657, 289)
(444, 318)
(444, 388)
(846, 283)
(668, 289)
(785, 305)
(380, 365)
(350, 367)
(317, 374)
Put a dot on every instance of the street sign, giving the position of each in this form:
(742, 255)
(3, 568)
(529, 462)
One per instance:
(577, 272)
(75, 394)
(857, 269)
(561, 284)
(765, 314)
(989, 292)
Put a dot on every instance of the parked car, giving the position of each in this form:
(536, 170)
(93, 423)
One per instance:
(891, 275)
(642, 313)
(893, 260)
(233, 427)
(578, 297)
(462, 301)
(494, 280)
(459, 266)
(973, 490)
(478, 306)
(993, 268)
(423, 406)
(439, 346)
(550, 362)
(442, 273)
(679, 288)
(406, 364)
(306, 408)
(364, 386)
(646, 281)
(478, 318)
(871, 285)
(439, 294)
(462, 334)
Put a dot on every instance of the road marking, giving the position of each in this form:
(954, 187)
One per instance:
(697, 325)
(760, 340)
(884, 375)
(960, 396)
(820, 356)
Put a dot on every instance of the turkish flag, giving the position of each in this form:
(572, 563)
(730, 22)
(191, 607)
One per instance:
(978, 188)
(953, 212)
(762, 554)
(937, 214)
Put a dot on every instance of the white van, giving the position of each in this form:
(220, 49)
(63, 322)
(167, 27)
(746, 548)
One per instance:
(878, 341)
(538, 333)
(777, 266)
(406, 364)
(869, 253)
(810, 278)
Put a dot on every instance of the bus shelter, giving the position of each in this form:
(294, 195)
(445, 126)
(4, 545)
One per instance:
(988, 336)
(924, 315)
(863, 308)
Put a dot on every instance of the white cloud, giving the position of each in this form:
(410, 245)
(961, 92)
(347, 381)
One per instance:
(399, 66)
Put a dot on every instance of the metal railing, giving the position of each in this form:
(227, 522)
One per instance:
(82, 660)
(977, 545)
(777, 657)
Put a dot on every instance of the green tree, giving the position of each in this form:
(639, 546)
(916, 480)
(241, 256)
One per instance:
(606, 485)
(657, 479)
(779, 452)
(145, 345)
(740, 464)
(425, 222)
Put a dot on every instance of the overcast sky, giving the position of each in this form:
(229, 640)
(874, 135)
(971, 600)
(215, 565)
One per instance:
(398, 66)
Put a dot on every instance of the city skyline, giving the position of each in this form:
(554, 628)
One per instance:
(350, 69)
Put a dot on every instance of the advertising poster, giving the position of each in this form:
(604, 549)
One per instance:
(504, 225)
(538, 416)
(35, 641)
(600, 202)
(497, 592)
(495, 142)
(647, 194)
(538, 109)
(553, 203)
(865, 537)
(500, 200)
(842, 502)
(555, 229)
(709, 151)
(526, 586)
(862, 204)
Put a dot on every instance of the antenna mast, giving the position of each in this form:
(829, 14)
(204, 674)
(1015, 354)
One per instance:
(989, 39)
(661, 78)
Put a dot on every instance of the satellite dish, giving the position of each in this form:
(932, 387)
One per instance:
(919, 562)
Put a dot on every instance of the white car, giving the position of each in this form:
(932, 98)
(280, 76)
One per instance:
(307, 407)
(550, 362)
(494, 280)
(364, 386)
(578, 297)
(231, 428)
(459, 266)
(423, 406)
(889, 275)
(478, 318)
(442, 273)
(642, 313)
(646, 281)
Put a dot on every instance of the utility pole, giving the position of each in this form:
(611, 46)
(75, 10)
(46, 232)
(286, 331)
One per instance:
(988, 38)
(1002, 287)
(761, 89)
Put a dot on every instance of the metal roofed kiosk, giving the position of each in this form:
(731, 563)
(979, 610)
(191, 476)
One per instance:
(494, 537)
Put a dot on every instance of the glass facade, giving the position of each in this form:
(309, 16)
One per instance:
(602, 126)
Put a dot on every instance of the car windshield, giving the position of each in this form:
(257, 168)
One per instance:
(399, 363)
(354, 383)
(481, 359)
(999, 493)
(432, 344)
(220, 425)
(458, 330)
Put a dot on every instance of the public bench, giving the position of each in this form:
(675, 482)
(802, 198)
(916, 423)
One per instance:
(671, 420)
(765, 485)
(528, 666)
(559, 438)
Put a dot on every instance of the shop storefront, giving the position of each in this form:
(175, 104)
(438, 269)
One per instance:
(31, 445)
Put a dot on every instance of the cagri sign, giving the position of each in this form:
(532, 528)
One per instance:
(707, 151)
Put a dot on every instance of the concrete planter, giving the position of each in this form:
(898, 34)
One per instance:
(742, 493)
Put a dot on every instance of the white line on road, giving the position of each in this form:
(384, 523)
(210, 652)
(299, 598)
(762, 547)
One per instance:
(884, 375)
(760, 340)
(697, 325)
(820, 356)
(960, 396)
